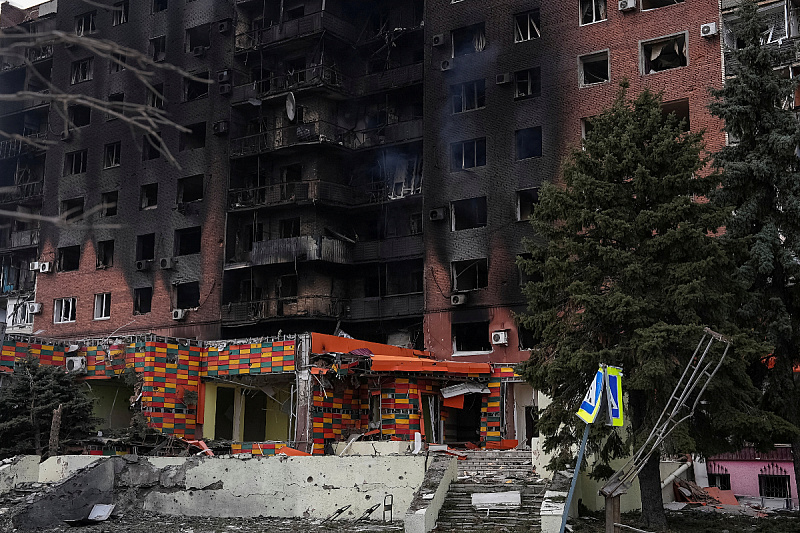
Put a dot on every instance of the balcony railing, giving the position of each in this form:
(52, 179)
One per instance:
(22, 192)
(307, 132)
(14, 147)
(306, 248)
(310, 77)
(394, 248)
(17, 280)
(276, 308)
(390, 79)
(38, 53)
(386, 307)
(408, 130)
(289, 193)
(20, 239)
(299, 27)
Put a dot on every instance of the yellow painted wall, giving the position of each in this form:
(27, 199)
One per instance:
(277, 427)
(111, 414)
(209, 410)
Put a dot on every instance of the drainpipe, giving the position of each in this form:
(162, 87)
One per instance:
(681, 469)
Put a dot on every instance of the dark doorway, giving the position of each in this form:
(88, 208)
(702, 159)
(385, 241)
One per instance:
(255, 416)
(464, 425)
(223, 421)
(430, 416)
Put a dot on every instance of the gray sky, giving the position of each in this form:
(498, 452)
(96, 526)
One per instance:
(26, 3)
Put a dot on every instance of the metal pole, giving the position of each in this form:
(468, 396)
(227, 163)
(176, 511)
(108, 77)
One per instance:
(575, 476)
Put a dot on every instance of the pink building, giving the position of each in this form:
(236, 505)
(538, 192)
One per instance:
(766, 478)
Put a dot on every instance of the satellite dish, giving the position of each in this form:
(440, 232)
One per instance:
(291, 106)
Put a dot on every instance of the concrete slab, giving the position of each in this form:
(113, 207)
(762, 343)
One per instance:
(494, 500)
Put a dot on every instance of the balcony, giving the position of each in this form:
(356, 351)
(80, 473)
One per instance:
(278, 308)
(394, 248)
(295, 193)
(306, 248)
(15, 106)
(14, 147)
(300, 27)
(306, 133)
(409, 130)
(391, 79)
(39, 53)
(318, 76)
(401, 305)
(22, 193)
(20, 239)
(17, 280)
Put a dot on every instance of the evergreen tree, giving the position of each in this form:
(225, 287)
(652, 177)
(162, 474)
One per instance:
(626, 272)
(27, 403)
(761, 192)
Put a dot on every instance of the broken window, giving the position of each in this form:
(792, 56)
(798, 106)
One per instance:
(156, 98)
(109, 204)
(468, 154)
(120, 14)
(594, 68)
(470, 275)
(721, 481)
(187, 295)
(468, 40)
(105, 254)
(69, 258)
(526, 26)
(102, 306)
(112, 155)
(199, 36)
(159, 5)
(187, 241)
(287, 286)
(72, 209)
(151, 147)
(415, 224)
(592, 11)
(158, 48)
(528, 83)
(194, 138)
(190, 189)
(85, 23)
(469, 95)
(148, 197)
(194, 89)
(471, 337)
(146, 247)
(142, 300)
(289, 227)
(296, 70)
(663, 54)
(115, 102)
(64, 310)
(79, 116)
(680, 108)
(82, 70)
(469, 213)
(529, 142)
(295, 13)
(526, 202)
(653, 4)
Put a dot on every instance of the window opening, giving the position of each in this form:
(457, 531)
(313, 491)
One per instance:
(528, 82)
(468, 154)
(64, 310)
(158, 48)
(120, 14)
(156, 98)
(195, 138)
(151, 147)
(105, 254)
(594, 69)
(109, 201)
(117, 62)
(471, 337)
(526, 202)
(187, 241)
(468, 96)
(188, 295)
(159, 5)
(529, 142)
(102, 306)
(72, 209)
(115, 103)
(149, 196)
(142, 300)
(146, 247)
(470, 213)
(190, 189)
(69, 258)
(198, 36)
(112, 155)
(664, 54)
(79, 116)
(287, 286)
(289, 227)
(82, 70)
(592, 11)
(194, 89)
(468, 40)
(470, 275)
(526, 26)
(85, 23)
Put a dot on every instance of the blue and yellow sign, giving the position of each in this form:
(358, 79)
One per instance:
(614, 395)
(608, 378)
(590, 406)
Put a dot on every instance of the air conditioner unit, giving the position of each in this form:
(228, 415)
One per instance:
(627, 5)
(437, 214)
(438, 39)
(503, 78)
(224, 26)
(34, 266)
(447, 64)
(708, 30)
(45, 267)
(166, 263)
(178, 314)
(34, 308)
(458, 299)
(500, 337)
(76, 364)
(220, 127)
(142, 265)
(225, 89)
(224, 76)
(199, 51)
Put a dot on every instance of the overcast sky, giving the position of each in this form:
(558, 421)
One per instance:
(26, 3)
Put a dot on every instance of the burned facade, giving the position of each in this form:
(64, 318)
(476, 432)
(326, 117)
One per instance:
(358, 167)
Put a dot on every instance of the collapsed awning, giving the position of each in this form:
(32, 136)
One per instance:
(464, 388)
(392, 363)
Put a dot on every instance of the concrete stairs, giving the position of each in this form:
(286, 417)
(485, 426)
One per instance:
(488, 471)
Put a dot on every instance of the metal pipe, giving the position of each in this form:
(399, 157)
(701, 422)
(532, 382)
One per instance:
(575, 476)
(680, 470)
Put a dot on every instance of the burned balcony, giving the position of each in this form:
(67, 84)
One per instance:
(22, 193)
(20, 239)
(391, 79)
(396, 306)
(295, 193)
(316, 76)
(291, 249)
(16, 279)
(15, 147)
(278, 308)
(398, 132)
(306, 133)
(389, 249)
(304, 26)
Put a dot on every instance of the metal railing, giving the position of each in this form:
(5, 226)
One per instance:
(271, 308)
(14, 147)
(305, 248)
(302, 191)
(299, 27)
(309, 77)
(392, 248)
(22, 192)
(386, 307)
(307, 132)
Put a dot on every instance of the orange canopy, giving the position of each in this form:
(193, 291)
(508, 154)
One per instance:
(321, 343)
(389, 363)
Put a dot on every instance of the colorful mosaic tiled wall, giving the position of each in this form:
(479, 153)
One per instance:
(47, 354)
(257, 448)
(337, 409)
(491, 415)
(259, 358)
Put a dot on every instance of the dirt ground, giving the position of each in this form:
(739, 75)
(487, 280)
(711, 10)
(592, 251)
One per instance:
(704, 522)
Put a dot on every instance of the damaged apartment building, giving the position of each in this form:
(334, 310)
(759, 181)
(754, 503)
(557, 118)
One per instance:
(355, 167)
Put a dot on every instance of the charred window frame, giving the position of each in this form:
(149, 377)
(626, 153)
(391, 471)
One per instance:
(146, 247)
(117, 63)
(191, 189)
(287, 286)
(468, 154)
(142, 300)
(72, 209)
(468, 96)
(528, 83)
(468, 40)
(527, 26)
(69, 258)
(187, 295)
(148, 197)
(79, 116)
(199, 36)
(120, 13)
(721, 481)
(105, 254)
(112, 155)
(529, 142)
(64, 310)
(188, 241)
(527, 199)
(82, 70)
(468, 214)
(159, 5)
(115, 103)
(158, 48)
(156, 98)
(194, 138)
(195, 89)
(289, 228)
(664, 53)
(470, 275)
(151, 147)
(593, 11)
(84, 24)
(594, 68)
(102, 306)
(109, 202)
(471, 337)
